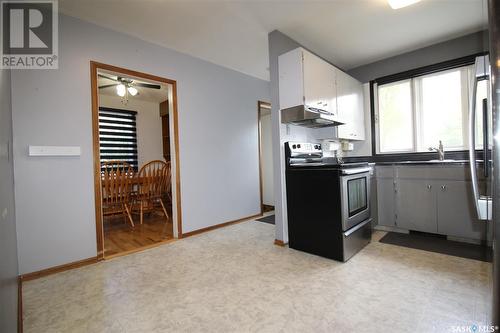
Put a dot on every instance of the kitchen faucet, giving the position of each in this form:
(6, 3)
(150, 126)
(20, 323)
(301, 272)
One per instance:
(440, 150)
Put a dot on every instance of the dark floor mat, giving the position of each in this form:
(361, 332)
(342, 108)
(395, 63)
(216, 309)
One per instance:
(267, 219)
(432, 243)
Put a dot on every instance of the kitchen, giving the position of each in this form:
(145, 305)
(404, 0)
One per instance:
(415, 195)
(383, 126)
(401, 147)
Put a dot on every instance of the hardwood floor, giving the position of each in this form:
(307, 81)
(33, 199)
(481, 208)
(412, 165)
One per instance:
(120, 237)
(267, 208)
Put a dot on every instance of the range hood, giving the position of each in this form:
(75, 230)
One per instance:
(305, 116)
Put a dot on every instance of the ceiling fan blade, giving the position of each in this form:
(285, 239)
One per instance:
(108, 77)
(147, 85)
(108, 85)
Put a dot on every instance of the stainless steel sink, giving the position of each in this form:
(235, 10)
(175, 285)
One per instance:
(429, 162)
(443, 161)
(433, 161)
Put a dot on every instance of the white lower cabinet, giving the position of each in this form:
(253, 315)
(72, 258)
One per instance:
(385, 202)
(424, 202)
(456, 212)
(416, 205)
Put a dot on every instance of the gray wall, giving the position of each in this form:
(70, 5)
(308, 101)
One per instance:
(218, 141)
(448, 50)
(279, 43)
(8, 239)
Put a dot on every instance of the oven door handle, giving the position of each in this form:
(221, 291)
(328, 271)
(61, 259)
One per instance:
(355, 171)
(357, 227)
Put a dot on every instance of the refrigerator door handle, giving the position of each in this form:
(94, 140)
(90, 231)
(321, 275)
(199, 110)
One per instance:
(486, 151)
(482, 203)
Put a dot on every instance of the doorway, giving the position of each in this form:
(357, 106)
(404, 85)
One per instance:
(136, 160)
(266, 156)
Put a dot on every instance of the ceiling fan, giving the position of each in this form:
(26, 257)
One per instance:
(125, 85)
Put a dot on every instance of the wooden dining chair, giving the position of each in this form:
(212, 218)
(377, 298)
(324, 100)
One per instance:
(116, 178)
(154, 180)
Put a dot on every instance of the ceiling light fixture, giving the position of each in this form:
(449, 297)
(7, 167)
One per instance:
(121, 90)
(396, 4)
(132, 91)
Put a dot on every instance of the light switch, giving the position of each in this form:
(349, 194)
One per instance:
(54, 151)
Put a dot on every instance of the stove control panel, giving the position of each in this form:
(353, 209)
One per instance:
(304, 149)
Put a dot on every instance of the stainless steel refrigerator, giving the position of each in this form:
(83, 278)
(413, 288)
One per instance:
(494, 31)
(484, 108)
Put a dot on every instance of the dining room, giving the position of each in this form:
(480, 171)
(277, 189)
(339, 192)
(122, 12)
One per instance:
(135, 162)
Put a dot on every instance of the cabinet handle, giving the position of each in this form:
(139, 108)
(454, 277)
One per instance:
(443, 187)
(429, 187)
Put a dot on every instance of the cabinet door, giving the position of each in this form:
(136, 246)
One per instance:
(385, 202)
(319, 83)
(343, 103)
(456, 211)
(416, 205)
(291, 80)
(373, 200)
(350, 104)
(359, 113)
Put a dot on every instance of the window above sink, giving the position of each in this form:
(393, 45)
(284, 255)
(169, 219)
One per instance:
(415, 111)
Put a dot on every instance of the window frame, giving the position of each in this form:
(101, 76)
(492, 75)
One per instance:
(411, 75)
(377, 128)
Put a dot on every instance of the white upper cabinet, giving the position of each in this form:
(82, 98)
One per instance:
(319, 83)
(291, 79)
(350, 107)
(305, 79)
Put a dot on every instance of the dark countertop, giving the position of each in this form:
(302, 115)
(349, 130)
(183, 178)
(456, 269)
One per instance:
(452, 158)
(407, 161)
(431, 162)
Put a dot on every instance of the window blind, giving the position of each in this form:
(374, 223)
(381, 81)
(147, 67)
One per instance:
(118, 136)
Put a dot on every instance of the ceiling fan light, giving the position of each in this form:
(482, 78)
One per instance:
(396, 4)
(133, 91)
(120, 90)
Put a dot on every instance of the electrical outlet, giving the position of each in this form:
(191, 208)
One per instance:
(4, 213)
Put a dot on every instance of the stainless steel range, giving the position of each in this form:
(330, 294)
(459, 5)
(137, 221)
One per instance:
(327, 202)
